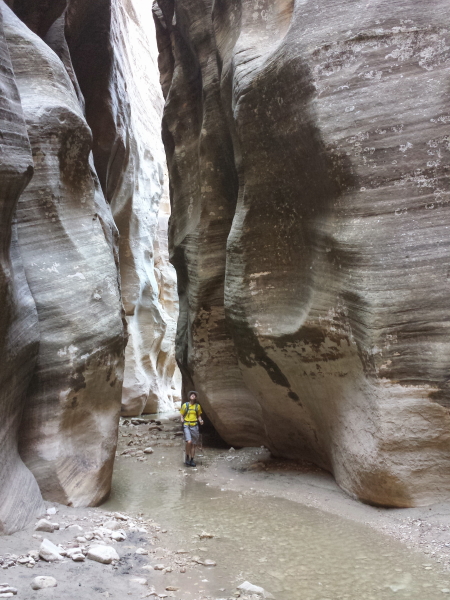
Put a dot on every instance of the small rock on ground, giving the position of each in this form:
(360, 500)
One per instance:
(102, 554)
(45, 525)
(139, 580)
(208, 563)
(42, 582)
(248, 587)
(113, 525)
(49, 552)
(7, 591)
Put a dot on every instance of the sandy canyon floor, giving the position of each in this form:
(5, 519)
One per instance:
(193, 534)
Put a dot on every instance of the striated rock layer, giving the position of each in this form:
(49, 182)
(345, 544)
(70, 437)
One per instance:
(69, 427)
(113, 49)
(20, 497)
(80, 124)
(308, 153)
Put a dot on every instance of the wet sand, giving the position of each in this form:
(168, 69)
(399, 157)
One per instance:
(426, 529)
(283, 525)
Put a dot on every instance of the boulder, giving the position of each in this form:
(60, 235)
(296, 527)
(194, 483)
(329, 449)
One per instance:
(42, 582)
(119, 536)
(47, 526)
(102, 554)
(49, 552)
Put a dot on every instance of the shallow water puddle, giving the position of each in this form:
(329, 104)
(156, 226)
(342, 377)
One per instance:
(294, 552)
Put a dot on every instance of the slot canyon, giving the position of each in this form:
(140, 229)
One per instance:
(247, 198)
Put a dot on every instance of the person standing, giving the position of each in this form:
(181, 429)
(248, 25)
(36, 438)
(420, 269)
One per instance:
(190, 417)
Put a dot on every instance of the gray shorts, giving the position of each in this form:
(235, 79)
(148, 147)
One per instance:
(191, 433)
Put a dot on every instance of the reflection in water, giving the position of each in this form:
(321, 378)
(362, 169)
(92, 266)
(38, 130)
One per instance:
(295, 552)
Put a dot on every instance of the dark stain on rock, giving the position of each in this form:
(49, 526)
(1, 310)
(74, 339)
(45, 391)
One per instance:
(75, 145)
(77, 381)
(251, 353)
(331, 354)
(315, 337)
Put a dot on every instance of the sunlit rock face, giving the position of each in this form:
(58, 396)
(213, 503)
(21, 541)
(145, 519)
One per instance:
(308, 152)
(113, 49)
(69, 426)
(20, 497)
(168, 376)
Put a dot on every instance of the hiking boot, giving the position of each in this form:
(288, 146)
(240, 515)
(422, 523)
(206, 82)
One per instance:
(192, 463)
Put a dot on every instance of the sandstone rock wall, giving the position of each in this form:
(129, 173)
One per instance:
(80, 124)
(119, 81)
(308, 152)
(68, 432)
(20, 497)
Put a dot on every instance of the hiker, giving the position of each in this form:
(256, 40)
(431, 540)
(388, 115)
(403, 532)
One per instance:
(190, 417)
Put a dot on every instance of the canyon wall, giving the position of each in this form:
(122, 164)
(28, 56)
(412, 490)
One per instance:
(113, 49)
(308, 153)
(19, 333)
(83, 173)
(68, 431)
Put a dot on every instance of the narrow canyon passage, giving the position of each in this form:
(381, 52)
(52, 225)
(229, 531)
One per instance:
(293, 551)
(249, 198)
(198, 534)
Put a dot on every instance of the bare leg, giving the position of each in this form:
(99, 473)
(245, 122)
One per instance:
(188, 449)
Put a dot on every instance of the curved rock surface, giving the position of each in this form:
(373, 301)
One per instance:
(20, 497)
(308, 153)
(113, 49)
(68, 432)
(81, 108)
